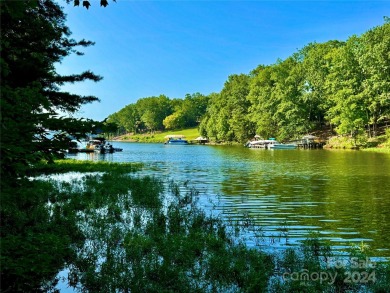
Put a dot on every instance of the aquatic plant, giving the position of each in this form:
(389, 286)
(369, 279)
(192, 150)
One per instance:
(117, 231)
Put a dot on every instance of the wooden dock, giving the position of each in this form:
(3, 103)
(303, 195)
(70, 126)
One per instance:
(311, 145)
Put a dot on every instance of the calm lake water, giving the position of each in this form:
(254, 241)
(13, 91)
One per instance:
(343, 195)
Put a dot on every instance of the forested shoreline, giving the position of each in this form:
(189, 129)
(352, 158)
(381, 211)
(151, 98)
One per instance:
(158, 113)
(340, 86)
(109, 231)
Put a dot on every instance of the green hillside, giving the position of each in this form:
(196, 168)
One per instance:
(190, 134)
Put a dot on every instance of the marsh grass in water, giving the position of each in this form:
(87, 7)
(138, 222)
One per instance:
(113, 231)
(136, 244)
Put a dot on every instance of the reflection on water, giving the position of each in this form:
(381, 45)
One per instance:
(343, 195)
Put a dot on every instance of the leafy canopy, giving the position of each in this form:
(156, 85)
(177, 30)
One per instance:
(36, 114)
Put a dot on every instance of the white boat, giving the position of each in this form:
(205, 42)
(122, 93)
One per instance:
(259, 144)
(101, 146)
(281, 146)
(270, 143)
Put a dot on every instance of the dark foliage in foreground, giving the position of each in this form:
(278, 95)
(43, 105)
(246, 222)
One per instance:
(36, 114)
(118, 231)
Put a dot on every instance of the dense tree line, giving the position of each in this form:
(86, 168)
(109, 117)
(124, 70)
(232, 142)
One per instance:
(343, 85)
(226, 115)
(159, 113)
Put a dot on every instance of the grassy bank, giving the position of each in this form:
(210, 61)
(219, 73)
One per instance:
(159, 137)
(117, 232)
(379, 143)
(377, 150)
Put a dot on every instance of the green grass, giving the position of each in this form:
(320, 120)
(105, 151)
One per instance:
(377, 150)
(379, 144)
(190, 134)
(341, 142)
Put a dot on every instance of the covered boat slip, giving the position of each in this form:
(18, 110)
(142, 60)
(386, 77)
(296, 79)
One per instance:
(260, 144)
(270, 143)
(176, 139)
(307, 142)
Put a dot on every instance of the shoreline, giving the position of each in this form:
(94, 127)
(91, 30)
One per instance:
(382, 150)
(378, 144)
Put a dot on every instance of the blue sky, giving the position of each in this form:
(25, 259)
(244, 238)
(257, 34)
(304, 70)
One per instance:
(148, 48)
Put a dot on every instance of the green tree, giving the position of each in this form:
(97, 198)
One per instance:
(187, 112)
(115, 118)
(263, 105)
(127, 119)
(153, 110)
(235, 92)
(317, 63)
(34, 120)
(194, 106)
(277, 95)
(373, 57)
(359, 83)
(175, 121)
(157, 113)
(344, 85)
(226, 117)
(207, 126)
(292, 113)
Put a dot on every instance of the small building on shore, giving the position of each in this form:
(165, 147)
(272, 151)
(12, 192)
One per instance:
(200, 140)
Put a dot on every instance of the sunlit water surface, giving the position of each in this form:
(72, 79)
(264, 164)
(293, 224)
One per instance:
(287, 194)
